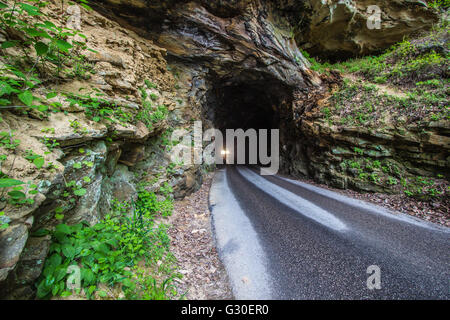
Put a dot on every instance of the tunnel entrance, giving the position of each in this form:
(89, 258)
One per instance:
(247, 103)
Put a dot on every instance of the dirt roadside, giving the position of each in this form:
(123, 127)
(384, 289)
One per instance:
(204, 276)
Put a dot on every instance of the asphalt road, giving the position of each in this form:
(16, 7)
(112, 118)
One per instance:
(284, 239)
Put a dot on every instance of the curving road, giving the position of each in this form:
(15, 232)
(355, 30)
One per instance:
(284, 239)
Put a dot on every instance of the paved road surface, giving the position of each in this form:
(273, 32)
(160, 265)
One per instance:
(284, 239)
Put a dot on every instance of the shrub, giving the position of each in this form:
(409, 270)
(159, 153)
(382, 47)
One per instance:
(109, 251)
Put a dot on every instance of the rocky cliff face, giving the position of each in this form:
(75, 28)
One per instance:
(391, 158)
(232, 64)
(101, 161)
(217, 48)
(337, 30)
(228, 37)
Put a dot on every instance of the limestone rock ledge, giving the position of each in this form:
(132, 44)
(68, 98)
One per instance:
(339, 29)
(322, 152)
(106, 159)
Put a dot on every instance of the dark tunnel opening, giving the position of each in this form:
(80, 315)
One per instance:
(247, 104)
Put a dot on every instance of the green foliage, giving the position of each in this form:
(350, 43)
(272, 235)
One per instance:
(108, 252)
(100, 109)
(77, 127)
(359, 104)
(76, 188)
(392, 181)
(148, 204)
(48, 130)
(422, 188)
(376, 164)
(315, 65)
(374, 177)
(159, 114)
(150, 289)
(49, 41)
(166, 189)
(359, 151)
(149, 114)
(327, 113)
(7, 140)
(88, 164)
(6, 183)
(46, 48)
(437, 4)
(413, 66)
(105, 253)
(150, 85)
(437, 83)
(164, 140)
(36, 159)
(386, 173)
(15, 83)
(171, 168)
(77, 165)
(417, 66)
(404, 62)
(4, 221)
(144, 94)
(18, 196)
(50, 143)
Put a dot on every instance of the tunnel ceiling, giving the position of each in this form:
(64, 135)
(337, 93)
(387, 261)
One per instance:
(227, 37)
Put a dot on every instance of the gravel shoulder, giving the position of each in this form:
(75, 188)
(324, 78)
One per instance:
(193, 244)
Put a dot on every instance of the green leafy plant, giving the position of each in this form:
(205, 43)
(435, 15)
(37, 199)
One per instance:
(51, 144)
(148, 205)
(76, 188)
(48, 130)
(150, 289)
(108, 252)
(100, 109)
(7, 140)
(6, 183)
(148, 114)
(77, 127)
(422, 188)
(392, 181)
(166, 189)
(315, 65)
(359, 151)
(4, 221)
(150, 85)
(171, 168)
(47, 49)
(18, 195)
(36, 159)
(436, 4)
